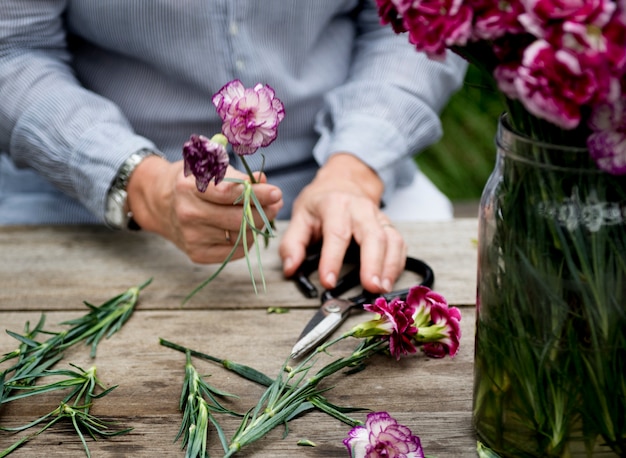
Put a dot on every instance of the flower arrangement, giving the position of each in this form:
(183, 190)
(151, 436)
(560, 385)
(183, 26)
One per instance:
(560, 65)
(250, 121)
(424, 320)
(550, 355)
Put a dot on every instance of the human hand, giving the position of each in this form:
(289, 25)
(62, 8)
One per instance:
(164, 201)
(343, 202)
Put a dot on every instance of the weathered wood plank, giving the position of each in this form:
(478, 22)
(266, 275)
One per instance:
(56, 268)
(432, 397)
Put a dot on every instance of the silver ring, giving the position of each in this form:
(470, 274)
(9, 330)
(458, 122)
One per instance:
(387, 225)
(227, 235)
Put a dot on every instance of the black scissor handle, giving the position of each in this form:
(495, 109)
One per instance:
(420, 268)
(351, 278)
(412, 265)
(311, 262)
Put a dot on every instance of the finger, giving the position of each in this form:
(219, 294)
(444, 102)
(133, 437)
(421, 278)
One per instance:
(270, 197)
(395, 257)
(265, 193)
(227, 192)
(262, 208)
(373, 246)
(337, 234)
(333, 252)
(292, 249)
(383, 256)
(217, 208)
(217, 244)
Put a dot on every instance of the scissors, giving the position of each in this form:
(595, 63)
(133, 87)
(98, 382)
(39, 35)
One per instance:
(335, 310)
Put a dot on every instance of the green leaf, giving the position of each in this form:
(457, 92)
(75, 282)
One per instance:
(484, 451)
(306, 443)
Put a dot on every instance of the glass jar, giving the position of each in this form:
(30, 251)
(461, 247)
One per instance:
(550, 348)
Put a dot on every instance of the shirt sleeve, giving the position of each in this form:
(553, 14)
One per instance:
(388, 108)
(48, 121)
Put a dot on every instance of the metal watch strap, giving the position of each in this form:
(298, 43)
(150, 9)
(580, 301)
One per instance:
(117, 213)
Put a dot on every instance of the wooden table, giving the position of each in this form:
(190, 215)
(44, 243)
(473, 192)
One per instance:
(54, 269)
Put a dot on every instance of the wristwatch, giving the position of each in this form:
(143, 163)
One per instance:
(118, 215)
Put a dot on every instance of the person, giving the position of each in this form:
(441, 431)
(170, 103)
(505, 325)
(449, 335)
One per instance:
(97, 98)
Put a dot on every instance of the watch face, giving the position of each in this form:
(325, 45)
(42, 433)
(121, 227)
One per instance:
(116, 215)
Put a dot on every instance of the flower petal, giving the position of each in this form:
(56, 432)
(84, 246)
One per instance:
(382, 436)
(205, 159)
(250, 115)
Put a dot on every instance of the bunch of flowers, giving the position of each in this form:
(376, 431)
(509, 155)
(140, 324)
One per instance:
(423, 319)
(398, 328)
(560, 64)
(250, 121)
(550, 350)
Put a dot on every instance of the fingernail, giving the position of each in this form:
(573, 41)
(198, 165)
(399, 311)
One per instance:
(287, 263)
(386, 285)
(275, 194)
(376, 281)
(331, 279)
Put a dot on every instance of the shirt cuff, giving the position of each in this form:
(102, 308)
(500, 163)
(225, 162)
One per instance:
(96, 162)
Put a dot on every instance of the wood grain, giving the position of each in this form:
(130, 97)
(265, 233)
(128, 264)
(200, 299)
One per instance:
(56, 268)
(432, 397)
(53, 269)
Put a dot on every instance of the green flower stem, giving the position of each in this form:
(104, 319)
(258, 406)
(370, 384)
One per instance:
(253, 375)
(287, 394)
(291, 393)
(33, 358)
(248, 169)
(197, 412)
(84, 385)
(550, 340)
(248, 200)
(104, 320)
(244, 371)
(269, 226)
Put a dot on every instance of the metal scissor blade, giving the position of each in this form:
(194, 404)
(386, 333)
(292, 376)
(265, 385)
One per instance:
(317, 334)
(317, 319)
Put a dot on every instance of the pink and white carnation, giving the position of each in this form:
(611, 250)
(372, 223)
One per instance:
(553, 85)
(542, 14)
(383, 436)
(494, 19)
(251, 115)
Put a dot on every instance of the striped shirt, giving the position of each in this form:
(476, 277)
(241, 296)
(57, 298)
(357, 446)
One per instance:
(85, 83)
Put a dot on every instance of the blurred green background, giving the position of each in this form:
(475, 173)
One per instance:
(460, 163)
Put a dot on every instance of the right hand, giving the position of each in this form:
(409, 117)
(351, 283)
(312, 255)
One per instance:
(164, 201)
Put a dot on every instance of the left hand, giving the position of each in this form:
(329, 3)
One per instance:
(342, 202)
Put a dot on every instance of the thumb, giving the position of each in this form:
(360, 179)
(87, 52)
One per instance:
(232, 172)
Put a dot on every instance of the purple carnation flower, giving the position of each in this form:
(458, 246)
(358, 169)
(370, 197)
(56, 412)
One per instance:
(206, 159)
